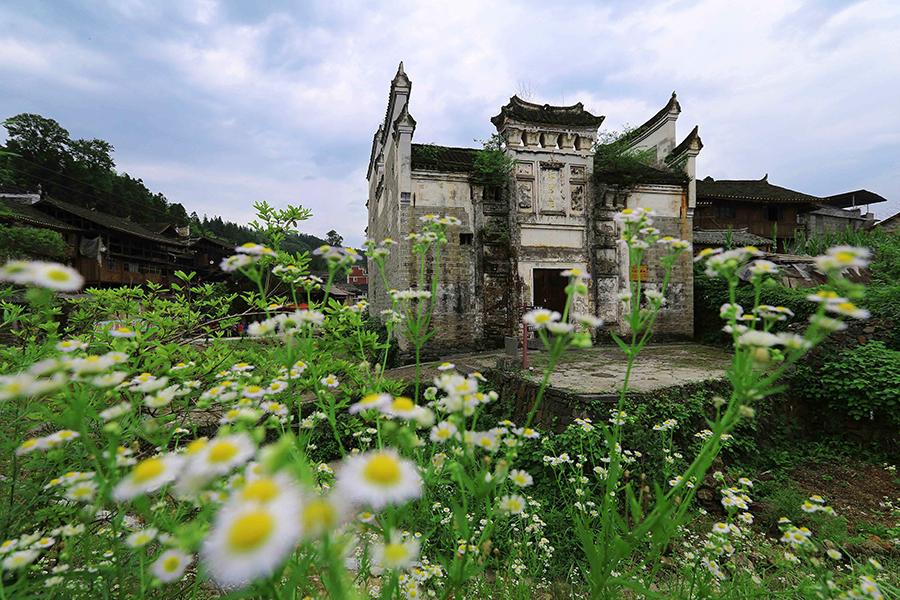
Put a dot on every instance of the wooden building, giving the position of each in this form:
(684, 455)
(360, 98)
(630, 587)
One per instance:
(776, 213)
(109, 250)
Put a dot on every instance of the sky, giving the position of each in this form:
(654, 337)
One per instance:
(220, 104)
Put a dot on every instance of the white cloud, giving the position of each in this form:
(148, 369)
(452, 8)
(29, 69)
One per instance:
(803, 91)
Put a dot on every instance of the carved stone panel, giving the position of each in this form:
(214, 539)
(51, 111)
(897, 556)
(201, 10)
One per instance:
(525, 193)
(577, 197)
(576, 171)
(551, 193)
(525, 168)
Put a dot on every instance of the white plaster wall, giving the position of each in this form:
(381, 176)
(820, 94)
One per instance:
(443, 190)
(663, 138)
(665, 200)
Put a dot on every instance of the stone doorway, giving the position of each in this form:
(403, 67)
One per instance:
(549, 289)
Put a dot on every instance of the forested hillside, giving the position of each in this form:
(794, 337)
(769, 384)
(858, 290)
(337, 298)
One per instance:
(40, 152)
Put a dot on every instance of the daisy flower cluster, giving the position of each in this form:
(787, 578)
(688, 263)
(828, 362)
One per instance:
(285, 324)
(247, 254)
(49, 275)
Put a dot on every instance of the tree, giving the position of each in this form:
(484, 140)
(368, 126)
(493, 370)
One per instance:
(333, 238)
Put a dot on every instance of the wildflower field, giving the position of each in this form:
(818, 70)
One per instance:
(145, 457)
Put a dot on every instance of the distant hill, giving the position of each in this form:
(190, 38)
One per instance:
(39, 152)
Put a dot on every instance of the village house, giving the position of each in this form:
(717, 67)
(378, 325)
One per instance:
(553, 212)
(760, 213)
(109, 250)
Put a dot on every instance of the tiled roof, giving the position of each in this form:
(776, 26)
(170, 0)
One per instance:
(108, 221)
(18, 211)
(519, 110)
(719, 237)
(431, 157)
(751, 190)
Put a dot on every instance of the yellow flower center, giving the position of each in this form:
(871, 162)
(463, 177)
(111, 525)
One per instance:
(395, 553)
(29, 443)
(260, 490)
(403, 403)
(57, 275)
(382, 469)
(848, 306)
(318, 515)
(196, 446)
(222, 451)
(250, 531)
(844, 257)
(541, 318)
(170, 564)
(148, 470)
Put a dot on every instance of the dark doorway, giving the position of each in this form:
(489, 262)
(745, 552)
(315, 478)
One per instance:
(550, 289)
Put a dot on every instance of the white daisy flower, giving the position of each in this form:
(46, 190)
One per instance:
(371, 402)
(540, 317)
(330, 381)
(170, 565)
(139, 539)
(122, 331)
(57, 277)
(513, 504)
(18, 271)
(148, 476)
(444, 431)
(847, 309)
(321, 514)
(230, 264)
(758, 338)
(70, 345)
(115, 411)
(396, 553)
(109, 379)
(378, 478)
(265, 488)
(587, 320)
(249, 540)
(218, 456)
(20, 559)
(486, 440)
(520, 478)
(61, 437)
(254, 249)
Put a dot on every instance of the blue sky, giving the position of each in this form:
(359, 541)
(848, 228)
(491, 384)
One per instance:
(220, 104)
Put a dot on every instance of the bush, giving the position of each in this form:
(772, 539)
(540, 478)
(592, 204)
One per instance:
(30, 242)
(862, 382)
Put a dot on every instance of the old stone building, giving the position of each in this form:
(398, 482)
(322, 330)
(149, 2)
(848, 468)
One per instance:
(553, 212)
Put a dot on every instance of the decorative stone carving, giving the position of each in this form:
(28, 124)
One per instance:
(531, 139)
(525, 193)
(525, 168)
(578, 197)
(513, 136)
(576, 171)
(548, 139)
(567, 141)
(551, 194)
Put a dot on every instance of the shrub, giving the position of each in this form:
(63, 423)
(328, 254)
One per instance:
(30, 242)
(862, 382)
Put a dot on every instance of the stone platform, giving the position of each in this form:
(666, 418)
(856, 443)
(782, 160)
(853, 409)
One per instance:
(599, 371)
